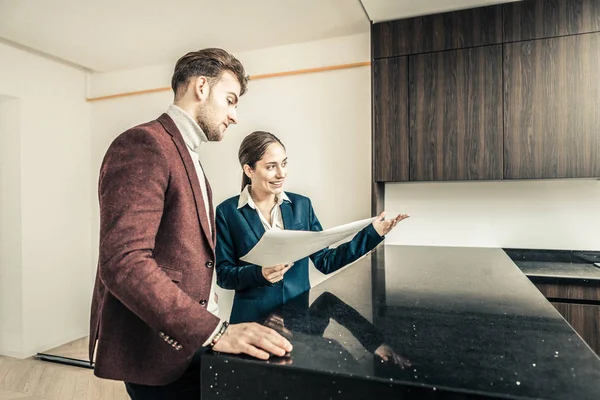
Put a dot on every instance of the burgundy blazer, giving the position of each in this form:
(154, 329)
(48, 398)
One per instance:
(156, 258)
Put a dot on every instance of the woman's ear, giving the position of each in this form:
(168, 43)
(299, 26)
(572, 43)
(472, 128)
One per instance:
(248, 171)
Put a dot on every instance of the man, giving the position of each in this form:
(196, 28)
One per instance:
(153, 308)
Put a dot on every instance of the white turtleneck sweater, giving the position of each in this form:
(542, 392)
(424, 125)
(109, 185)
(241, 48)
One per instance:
(193, 137)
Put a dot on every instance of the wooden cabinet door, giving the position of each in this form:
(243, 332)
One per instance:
(585, 319)
(456, 115)
(552, 108)
(390, 120)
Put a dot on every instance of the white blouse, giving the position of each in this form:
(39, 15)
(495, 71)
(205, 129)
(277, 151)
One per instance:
(276, 218)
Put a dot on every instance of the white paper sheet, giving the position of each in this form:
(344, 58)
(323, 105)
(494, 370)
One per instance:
(286, 246)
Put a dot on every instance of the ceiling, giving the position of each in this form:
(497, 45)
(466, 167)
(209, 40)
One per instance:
(386, 10)
(107, 35)
(111, 35)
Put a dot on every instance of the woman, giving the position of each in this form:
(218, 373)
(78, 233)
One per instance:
(262, 205)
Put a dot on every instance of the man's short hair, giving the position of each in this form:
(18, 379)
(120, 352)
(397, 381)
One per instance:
(210, 63)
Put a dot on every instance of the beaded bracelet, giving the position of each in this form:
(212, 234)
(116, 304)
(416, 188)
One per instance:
(219, 334)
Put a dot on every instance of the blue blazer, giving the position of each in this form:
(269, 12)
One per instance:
(239, 230)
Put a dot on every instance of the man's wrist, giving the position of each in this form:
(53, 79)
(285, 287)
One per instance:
(219, 334)
(213, 334)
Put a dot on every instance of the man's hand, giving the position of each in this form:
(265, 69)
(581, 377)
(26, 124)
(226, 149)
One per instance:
(275, 274)
(253, 339)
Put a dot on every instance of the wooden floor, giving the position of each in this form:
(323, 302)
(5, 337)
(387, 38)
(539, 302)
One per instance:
(33, 379)
(77, 349)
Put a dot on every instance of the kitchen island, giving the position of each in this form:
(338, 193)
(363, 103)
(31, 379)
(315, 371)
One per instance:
(417, 322)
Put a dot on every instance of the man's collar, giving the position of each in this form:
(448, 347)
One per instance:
(190, 130)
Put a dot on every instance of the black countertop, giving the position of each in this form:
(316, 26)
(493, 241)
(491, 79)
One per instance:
(558, 266)
(462, 323)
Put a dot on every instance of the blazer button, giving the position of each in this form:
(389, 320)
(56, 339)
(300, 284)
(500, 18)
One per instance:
(202, 302)
(209, 264)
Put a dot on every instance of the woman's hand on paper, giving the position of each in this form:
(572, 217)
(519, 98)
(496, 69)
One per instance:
(384, 227)
(275, 274)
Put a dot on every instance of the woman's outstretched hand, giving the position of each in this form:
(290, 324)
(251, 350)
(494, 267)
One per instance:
(384, 227)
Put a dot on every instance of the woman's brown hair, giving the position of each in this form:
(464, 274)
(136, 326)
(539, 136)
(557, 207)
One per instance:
(252, 149)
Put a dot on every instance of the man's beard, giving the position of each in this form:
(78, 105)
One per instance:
(213, 134)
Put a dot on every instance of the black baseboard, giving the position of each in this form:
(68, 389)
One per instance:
(64, 360)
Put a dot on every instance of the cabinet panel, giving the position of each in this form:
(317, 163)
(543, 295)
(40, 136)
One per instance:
(452, 30)
(390, 120)
(585, 319)
(456, 115)
(537, 19)
(552, 108)
(569, 291)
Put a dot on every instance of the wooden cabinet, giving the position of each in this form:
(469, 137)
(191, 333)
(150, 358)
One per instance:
(456, 114)
(390, 120)
(552, 108)
(536, 19)
(452, 30)
(509, 91)
(579, 305)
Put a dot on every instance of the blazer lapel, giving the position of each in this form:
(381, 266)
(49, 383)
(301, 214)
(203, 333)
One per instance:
(286, 214)
(171, 128)
(253, 220)
(211, 208)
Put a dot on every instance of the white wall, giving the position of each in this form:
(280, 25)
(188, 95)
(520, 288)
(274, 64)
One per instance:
(560, 214)
(54, 226)
(11, 300)
(324, 120)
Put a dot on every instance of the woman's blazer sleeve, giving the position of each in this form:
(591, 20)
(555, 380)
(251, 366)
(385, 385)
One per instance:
(330, 260)
(229, 274)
